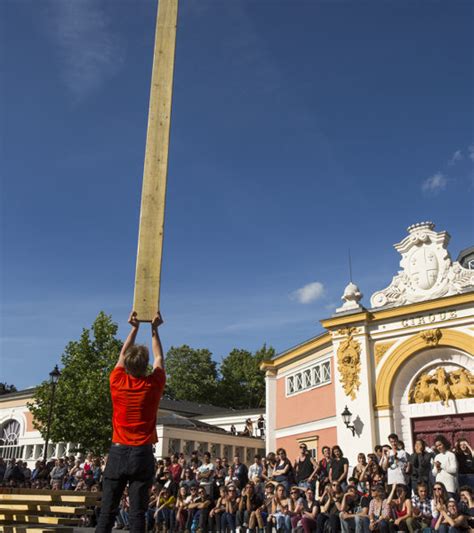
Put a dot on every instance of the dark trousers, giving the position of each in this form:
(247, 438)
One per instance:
(134, 465)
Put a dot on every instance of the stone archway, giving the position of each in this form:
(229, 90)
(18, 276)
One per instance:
(405, 413)
(446, 338)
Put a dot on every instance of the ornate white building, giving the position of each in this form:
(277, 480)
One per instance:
(404, 365)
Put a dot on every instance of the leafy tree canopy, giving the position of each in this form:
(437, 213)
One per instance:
(192, 374)
(5, 388)
(242, 384)
(82, 407)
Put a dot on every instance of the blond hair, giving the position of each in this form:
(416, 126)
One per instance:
(136, 360)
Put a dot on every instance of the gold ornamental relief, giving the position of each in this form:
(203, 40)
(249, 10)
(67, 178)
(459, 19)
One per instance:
(380, 349)
(440, 385)
(431, 336)
(348, 362)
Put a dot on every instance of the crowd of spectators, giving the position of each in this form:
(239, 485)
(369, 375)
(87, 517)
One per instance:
(386, 491)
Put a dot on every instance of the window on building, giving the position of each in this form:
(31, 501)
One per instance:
(314, 376)
(9, 440)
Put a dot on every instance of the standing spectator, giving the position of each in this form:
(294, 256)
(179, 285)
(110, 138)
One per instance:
(238, 472)
(419, 465)
(395, 462)
(269, 466)
(255, 474)
(339, 467)
(233, 430)
(323, 468)
(282, 470)
(465, 459)
(379, 453)
(261, 426)
(445, 467)
(220, 473)
(305, 467)
(58, 474)
(205, 474)
(3, 467)
(175, 468)
(359, 471)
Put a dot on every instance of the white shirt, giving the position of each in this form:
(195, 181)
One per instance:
(396, 467)
(449, 470)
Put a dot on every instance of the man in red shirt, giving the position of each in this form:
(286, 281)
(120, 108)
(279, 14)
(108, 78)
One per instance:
(135, 399)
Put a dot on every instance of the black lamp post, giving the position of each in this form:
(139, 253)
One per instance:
(53, 380)
(347, 417)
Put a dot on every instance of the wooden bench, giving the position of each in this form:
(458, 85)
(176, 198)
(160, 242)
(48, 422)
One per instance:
(48, 511)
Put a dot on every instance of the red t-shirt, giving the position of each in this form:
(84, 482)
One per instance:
(135, 405)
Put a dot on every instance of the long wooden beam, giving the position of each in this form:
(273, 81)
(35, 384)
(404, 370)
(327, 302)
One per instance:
(152, 211)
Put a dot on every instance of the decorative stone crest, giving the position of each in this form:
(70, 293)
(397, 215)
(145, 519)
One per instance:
(431, 336)
(348, 362)
(380, 349)
(440, 385)
(351, 298)
(427, 269)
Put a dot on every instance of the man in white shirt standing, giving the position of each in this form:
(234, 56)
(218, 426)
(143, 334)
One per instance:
(395, 462)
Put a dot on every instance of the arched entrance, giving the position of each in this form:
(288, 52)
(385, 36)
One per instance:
(430, 413)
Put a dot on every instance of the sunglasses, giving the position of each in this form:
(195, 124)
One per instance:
(294, 492)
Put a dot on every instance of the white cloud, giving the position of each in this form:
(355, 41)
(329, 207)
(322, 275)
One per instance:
(470, 149)
(88, 49)
(309, 293)
(434, 184)
(457, 156)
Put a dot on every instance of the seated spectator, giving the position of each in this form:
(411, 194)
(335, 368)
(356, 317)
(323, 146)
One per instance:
(467, 504)
(330, 508)
(350, 507)
(421, 509)
(295, 502)
(187, 479)
(401, 506)
(263, 512)
(249, 502)
(439, 501)
(122, 517)
(198, 511)
(164, 513)
(217, 512)
(220, 472)
(231, 507)
(450, 520)
(152, 504)
(280, 516)
(308, 509)
(379, 511)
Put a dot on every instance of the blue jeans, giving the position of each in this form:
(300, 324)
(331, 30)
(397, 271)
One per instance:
(283, 522)
(362, 524)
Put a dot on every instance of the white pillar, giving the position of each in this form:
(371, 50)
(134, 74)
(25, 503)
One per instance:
(270, 410)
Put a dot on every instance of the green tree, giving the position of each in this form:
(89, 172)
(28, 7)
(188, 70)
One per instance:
(242, 384)
(192, 374)
(6, 389)
(82, 406)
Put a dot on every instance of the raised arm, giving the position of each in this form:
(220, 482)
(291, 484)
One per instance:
(130, 340)
(159, 360)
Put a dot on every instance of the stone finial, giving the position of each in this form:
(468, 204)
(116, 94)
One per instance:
(351, 298)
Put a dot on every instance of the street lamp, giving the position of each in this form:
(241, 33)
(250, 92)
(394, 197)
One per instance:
(53, 381)
(347, 417)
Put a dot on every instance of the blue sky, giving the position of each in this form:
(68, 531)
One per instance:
(299, 129)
